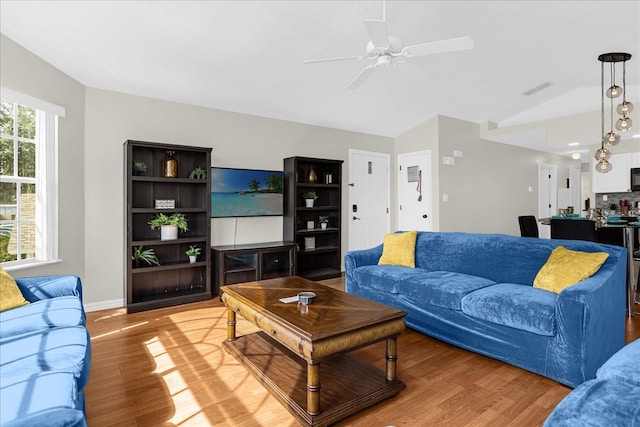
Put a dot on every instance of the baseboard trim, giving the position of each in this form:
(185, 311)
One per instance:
(104, 305)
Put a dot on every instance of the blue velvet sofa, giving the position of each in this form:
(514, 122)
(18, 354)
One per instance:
(611, 399)
(45, 354)
(475, 291)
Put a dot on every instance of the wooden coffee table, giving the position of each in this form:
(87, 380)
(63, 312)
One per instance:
(295, 340)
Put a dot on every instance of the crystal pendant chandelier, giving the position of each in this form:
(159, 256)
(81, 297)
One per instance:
(623, 123)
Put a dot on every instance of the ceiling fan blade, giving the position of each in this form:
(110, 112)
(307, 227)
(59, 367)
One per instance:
(342, 58)
(361, 77)
(441, 46)
(378, 32)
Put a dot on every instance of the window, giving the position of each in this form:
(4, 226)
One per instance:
(28, 186)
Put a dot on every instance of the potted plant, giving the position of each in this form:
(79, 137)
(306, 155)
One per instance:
(139, 167)
(193, 253)
(309, 197)
(323, 220)
(146, 255)
(612, 208)
(169, 225)
(198, 173)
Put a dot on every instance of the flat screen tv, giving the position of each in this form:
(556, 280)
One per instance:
(246, 192)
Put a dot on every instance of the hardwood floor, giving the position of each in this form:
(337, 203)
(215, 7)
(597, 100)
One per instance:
(166, 367)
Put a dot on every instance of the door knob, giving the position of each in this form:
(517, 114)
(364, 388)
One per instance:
(424, 216)
(355, 217)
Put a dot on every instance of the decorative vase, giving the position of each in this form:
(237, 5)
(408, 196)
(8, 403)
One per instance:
(169, 165)
(192, 258)
(168, 232)
(313, 178)
(309, 202)
(323, 225)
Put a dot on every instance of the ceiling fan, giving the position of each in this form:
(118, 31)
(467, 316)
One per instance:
(388, 50)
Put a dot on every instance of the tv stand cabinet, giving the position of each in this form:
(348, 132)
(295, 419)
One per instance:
(251, 262)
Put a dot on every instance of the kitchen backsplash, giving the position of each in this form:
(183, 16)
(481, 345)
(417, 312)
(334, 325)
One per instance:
(633, 198)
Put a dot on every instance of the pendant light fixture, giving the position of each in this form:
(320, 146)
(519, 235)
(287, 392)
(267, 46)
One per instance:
(624, 123)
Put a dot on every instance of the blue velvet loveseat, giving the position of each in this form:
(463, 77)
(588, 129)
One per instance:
(475, 291)
(45, 354)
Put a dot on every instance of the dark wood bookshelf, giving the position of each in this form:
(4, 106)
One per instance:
(176, 280)
(324, 260)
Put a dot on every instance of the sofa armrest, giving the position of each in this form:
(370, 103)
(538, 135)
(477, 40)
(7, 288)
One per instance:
(355, 259)
(591, 316)
(43, 287)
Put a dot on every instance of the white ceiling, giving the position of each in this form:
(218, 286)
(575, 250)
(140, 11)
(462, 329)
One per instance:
(247, 56)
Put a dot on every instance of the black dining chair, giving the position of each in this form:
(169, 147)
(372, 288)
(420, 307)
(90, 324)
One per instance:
(528, 226)
(574, 229)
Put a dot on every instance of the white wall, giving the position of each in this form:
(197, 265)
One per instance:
(23, 72)
(237, 140)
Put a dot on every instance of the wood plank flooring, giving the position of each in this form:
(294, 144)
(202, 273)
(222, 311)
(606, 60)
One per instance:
(167, 367)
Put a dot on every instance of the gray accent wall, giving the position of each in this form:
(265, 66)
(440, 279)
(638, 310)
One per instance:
(487, 188)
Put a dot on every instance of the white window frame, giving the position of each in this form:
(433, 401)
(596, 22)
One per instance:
(46, 178)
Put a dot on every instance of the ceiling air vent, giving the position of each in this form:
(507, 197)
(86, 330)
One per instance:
(537, 88)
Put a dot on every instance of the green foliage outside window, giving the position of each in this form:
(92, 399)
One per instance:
(17, 159)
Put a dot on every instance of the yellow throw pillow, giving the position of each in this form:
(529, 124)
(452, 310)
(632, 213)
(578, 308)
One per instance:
(399, 249)
(10, 295)
(566, 267)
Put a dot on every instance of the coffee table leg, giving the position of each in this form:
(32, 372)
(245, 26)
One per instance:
(392, 357)
(313, 388)
(231, 324)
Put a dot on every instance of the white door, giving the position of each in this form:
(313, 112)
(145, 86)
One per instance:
(369, 199)
(414, 191)
(547, 196)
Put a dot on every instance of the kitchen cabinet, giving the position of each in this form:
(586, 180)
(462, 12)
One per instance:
(618, 179)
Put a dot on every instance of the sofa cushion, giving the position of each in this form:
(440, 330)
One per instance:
(623, 365)
(384, 278)
(517, 306)
(57, 349)
(565, 267)
(441, 288)
(10, 295)
(43, 314)
(399, 249)
(598, 403)
(44, 398)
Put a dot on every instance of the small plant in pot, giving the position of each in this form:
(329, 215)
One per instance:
(198, 173)
(169, 225)
(193, 253)
(139, 167)
(309, 197)
(323, 220)
(144, 255)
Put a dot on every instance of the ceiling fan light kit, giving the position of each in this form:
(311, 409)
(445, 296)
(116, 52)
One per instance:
(623, 123)
(389, 50)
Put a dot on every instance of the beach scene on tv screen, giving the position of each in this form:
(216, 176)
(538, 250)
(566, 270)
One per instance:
(244, 192)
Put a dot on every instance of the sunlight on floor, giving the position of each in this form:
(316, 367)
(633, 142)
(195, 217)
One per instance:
(184, 402)
(93, 338)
